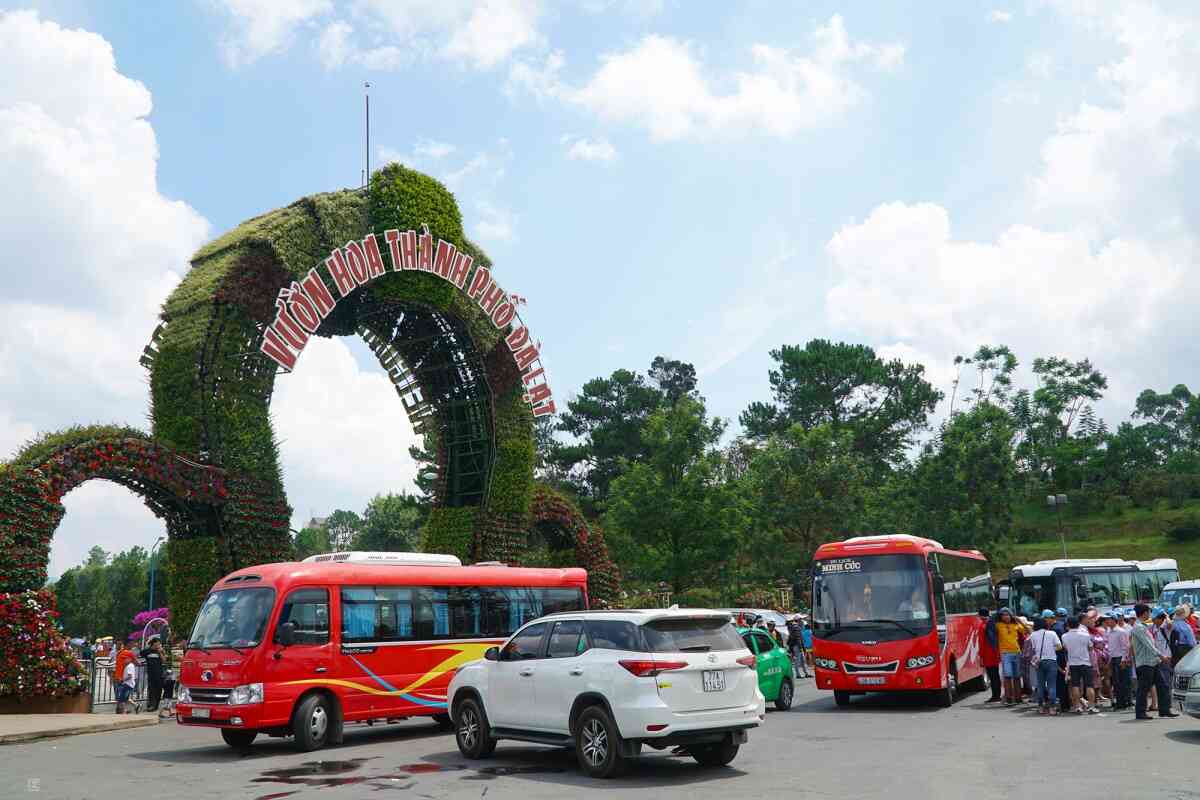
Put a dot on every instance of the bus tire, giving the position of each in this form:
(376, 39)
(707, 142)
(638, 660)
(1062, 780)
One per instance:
(841, 698)
(787, 691)
(946, 696)
(239, 740)
(313, 720)
(980, 684)
(444, 722)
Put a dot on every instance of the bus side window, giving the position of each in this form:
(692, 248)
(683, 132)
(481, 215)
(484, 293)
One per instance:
(308, 609)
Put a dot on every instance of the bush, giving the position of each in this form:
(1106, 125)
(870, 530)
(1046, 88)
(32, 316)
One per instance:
(698, 598)
(1176, 489)
(1117, 505)
(1186, 530)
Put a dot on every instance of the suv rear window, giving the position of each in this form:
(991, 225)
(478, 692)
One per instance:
(695, 634)
(613, 635)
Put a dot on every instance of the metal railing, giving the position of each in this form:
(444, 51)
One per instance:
(103, 689)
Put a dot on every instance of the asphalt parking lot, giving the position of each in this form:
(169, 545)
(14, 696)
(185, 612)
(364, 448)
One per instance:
(884, 746)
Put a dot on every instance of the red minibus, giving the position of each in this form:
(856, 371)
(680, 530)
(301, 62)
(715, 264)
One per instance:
(897, 613)
(301, 648)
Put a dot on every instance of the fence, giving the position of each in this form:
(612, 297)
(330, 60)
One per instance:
(100, 678)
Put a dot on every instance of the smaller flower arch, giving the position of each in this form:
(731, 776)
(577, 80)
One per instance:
(549, 507)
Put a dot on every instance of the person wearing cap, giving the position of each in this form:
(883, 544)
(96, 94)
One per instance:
(1162, 640)
(1182, 638)
(1078, 644)
(1060, 627)
(1045, 644)
(152, 654)
(1148, 658)
(1118, 660)
(1008, 634)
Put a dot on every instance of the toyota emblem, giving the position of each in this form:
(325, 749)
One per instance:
(206, 675)
(712, 658)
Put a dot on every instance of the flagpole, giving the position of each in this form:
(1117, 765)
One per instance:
(367, 93)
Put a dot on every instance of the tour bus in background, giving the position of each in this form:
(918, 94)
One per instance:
(301, 648)
(897, 613)
(1179, 592)
(1076, 583)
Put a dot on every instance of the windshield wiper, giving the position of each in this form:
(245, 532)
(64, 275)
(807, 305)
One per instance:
(696, 648)
(898, 624)
(230, 645)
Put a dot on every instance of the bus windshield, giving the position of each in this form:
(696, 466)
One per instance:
(234, 618)
(874, 597)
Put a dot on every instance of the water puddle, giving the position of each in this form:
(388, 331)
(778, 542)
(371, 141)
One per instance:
(426, 768)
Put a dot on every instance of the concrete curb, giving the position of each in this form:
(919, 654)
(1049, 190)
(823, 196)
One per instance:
(100, 725)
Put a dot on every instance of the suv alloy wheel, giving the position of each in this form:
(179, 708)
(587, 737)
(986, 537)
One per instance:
(598, 744)
(472, 732)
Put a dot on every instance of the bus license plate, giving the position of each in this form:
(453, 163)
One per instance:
(714, 680)
(872, 681)
(200, 713)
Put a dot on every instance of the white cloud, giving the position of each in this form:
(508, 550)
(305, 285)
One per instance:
(382, 34)
(1108, 159)
(661, 84)
(260, 28)
(336, 47)
(431, 148)
(327, 415)
(495, 224)
(584, 149)
(77, 163)
(999, 15)
(901, 277)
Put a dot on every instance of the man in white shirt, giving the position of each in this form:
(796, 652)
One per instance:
(1044, 645)
(1118, 660)
(1078, 643)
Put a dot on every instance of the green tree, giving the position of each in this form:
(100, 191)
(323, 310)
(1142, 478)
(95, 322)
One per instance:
(310, 541)
(128, 576)
(606, 421)
(1172, 421)
(994, 365)
(1045, 418)
(965, 481)
(882, 404)
(391, 523)
(343, 527)
(805, 487)
(668, 516)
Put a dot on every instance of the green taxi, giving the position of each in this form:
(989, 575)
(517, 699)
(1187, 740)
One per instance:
(774, 667)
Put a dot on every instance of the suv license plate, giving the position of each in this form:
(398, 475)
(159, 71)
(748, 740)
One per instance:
(872, 681)
(714, 680)
(200, 713)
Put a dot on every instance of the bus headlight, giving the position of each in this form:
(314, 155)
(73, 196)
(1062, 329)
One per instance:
(825, 663)
(246, 695)
(184, 695)
(917, 662)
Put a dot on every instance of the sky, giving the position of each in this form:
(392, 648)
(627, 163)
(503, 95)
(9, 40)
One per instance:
(702, 181)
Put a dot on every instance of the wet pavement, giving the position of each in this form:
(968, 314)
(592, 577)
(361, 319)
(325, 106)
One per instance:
(880, 747)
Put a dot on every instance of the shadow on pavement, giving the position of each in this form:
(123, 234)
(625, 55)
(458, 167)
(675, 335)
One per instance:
(1185, 737)
(265, 746)
(559, 766)
(874, 702)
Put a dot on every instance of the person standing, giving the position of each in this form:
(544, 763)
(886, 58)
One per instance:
(1147, 659)
(1008, 633)
(1045, 644)
(153, 656)
(1162, 640)
(1060, 627)
(1078, 644)
(1118, 661)
(125, 660)
(989, 653)
(1183, 638)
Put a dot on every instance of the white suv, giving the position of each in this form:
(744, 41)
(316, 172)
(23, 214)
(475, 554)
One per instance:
(607, 682)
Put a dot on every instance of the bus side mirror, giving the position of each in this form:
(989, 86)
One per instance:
(1003, 593)
(1081, 592)
(492, 654)
(286, 635)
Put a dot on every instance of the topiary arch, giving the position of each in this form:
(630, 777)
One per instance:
(211, 466)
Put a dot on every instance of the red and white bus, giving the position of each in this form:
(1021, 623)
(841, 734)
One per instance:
(898, 613)
(301, 648)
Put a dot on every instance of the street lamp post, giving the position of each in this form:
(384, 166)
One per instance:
(1058, 501)
(153, 563)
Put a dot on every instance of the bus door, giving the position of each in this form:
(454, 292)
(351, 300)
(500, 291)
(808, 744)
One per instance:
(301, 649)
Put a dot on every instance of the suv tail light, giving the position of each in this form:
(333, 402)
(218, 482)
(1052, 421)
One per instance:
(749, 661)
(648, 669)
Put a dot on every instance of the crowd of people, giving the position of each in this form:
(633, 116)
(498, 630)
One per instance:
(159, 682)
(1080, 663)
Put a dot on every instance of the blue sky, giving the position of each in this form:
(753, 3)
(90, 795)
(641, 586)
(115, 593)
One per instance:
(703, 181)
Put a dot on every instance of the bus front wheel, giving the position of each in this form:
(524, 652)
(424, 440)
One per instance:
(312, 723)
(945, 696)
(841, 698)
